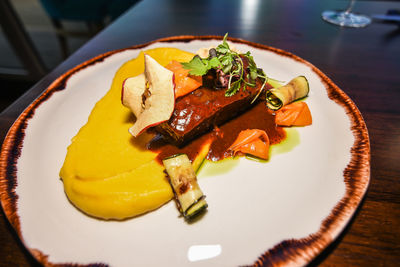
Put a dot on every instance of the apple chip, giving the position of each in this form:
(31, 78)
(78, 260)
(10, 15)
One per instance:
(132, 92)
(151, 98)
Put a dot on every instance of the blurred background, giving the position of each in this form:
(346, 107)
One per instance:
(37, 35)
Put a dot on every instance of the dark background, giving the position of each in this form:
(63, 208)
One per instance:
(364, 63)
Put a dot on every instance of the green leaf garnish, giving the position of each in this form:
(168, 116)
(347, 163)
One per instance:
(199, 66)
(231, 64)
(213, 63)
(196, 66)
(233, 88)
(224, 47)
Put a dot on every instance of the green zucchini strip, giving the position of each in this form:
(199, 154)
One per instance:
(183, 180)
(296, 89)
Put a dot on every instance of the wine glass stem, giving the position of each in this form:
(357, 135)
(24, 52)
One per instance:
(350, 7)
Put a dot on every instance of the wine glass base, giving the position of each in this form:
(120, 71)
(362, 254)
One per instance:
(346, 19)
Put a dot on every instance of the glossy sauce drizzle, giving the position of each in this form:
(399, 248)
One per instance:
(258, 117)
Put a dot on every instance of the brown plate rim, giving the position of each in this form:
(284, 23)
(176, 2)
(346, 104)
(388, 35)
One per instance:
(293, 251)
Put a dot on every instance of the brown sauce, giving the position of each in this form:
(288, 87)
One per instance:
(198, 111)
(258, 117)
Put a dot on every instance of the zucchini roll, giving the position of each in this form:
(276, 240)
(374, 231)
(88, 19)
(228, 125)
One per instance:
(191, 200)
(296, 89)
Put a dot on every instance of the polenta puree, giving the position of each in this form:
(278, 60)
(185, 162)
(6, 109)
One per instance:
(107, 173)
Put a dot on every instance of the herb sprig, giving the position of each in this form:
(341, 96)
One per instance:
(231, 64)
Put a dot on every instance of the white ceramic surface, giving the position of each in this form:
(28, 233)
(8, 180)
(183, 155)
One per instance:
(252, 208)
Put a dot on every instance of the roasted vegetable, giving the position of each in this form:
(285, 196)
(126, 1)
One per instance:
(296, 89)
(184, 83)
(295, 114)
(254, 142)
(190, 198)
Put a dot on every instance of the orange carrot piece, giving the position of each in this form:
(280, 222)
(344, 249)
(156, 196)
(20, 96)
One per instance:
(251, 141)
(257, 148)
(184, 83)
(304, 117)
(295, 114)
(177, 69)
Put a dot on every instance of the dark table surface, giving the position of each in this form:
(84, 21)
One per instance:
(364, 63)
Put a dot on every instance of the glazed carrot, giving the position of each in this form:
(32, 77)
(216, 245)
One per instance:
(295, 114)
(251, 141)
(177, 69)
(184, 83)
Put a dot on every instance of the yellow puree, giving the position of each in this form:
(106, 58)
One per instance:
(107, 173)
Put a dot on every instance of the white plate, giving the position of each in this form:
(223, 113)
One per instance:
(285, 211)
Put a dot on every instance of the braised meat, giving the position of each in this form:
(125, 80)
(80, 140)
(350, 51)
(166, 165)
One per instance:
(206, 107)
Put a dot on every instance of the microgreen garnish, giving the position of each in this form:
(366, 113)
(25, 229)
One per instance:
(230, 63)
(199, 66)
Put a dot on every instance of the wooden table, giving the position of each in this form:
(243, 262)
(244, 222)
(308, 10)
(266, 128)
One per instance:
(365, 63)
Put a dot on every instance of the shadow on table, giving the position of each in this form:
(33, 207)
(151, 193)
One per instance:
(25, 64)
(94, 13)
